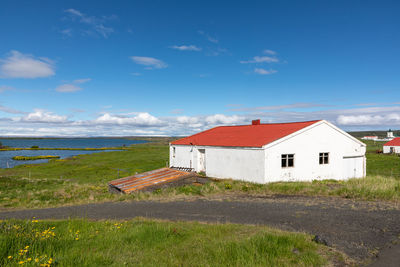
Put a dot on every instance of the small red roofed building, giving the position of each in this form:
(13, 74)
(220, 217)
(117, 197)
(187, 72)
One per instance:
(262, 153)
(392, 146)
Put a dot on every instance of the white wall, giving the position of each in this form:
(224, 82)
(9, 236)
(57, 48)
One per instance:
(306, 147)
(245, 164)
(184, 156)
(386, 149)
(220, 162)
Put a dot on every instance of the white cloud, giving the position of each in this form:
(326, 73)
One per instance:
(96, 24)
(19, 65)
(223, 119)
(392, 119)
(262, 59)
(186, 47)
(46, 123)
(136, 74)
(80, 81)
(43, 116)
(151, 62)
(187, 120)
(142, 119)
(269, 52)
(68, 88)
(264, 71)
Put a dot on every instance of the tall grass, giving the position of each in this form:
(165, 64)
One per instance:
(84, 178)
(154, 243)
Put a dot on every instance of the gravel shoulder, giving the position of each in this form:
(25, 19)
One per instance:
(365, 231)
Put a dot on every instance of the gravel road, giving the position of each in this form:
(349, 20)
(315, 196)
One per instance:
(363, 230)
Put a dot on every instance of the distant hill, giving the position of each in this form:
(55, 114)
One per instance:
(380, 134)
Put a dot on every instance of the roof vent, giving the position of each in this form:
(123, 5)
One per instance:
(255, 122)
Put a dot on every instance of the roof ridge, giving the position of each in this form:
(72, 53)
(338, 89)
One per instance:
(274, 123)
(225, 136)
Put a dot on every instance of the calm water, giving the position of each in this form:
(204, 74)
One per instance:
(6, 160)
(70, 142)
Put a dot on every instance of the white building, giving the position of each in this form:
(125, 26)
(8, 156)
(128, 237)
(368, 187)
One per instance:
(262, 153)
(373, 137)
(392, 146)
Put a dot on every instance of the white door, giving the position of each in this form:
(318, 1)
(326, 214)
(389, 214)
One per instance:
(202, 160)
(353, 167)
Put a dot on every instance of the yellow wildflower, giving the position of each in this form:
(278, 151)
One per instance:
(21, 262)
(9, 257)
(29, 259)
(36, 260)
(76, 238)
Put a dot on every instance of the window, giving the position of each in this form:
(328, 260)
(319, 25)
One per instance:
(287, 160)
(173, 152)
(324, 158)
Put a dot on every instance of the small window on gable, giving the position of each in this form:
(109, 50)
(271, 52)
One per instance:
(173, 152)
(287, 160)
(324, 158)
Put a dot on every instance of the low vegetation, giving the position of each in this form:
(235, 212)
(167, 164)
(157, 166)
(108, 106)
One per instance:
(35, 157)
(155, 243)
(60, 148)
(83, 179)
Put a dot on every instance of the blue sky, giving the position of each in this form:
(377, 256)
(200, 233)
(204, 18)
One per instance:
(94, 68)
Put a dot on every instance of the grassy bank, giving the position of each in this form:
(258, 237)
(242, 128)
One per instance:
(61, 148)
(155, 243)
(83, 179)
(35, 157)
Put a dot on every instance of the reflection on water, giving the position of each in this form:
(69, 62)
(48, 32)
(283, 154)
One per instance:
(6, 160)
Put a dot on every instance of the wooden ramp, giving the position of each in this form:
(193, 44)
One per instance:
(148, 179)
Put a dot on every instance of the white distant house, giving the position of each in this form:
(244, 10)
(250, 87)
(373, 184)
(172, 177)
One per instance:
(371, 137)
(392, 146)
(262, 153)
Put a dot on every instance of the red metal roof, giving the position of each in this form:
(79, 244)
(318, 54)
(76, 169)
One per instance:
(394, 142)
(243, 135)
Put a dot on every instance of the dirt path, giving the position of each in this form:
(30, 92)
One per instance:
(360, 229)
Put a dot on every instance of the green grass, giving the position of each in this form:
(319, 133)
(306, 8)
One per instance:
(76, 180)
(83, 179)
(61, 148)
(155, 243)
(35, 157)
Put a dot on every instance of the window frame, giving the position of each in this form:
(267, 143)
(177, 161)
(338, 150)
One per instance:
(324, 158)
(287, 157)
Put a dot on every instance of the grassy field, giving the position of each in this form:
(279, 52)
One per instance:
(80, 179)
(83, 179)
(155, 243)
